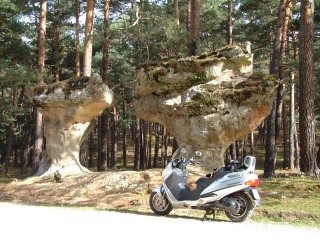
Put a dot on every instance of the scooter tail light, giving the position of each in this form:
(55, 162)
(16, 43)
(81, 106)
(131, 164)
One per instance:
(253, 182)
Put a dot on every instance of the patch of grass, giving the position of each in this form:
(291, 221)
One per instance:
(290, 199)
(291, 194)
(5, 179)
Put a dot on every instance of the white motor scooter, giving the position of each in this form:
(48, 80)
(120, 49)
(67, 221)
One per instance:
(230, 189)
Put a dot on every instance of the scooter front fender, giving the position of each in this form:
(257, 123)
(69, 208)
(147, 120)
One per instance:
(158, 190)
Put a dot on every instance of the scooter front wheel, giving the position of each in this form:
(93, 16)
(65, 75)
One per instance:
(246, 207)
(160, 204)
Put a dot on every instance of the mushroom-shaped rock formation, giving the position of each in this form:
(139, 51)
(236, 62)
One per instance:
(206, 102)
(68, 110)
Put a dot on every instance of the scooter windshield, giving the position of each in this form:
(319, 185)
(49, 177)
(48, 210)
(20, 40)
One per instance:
(179, 153)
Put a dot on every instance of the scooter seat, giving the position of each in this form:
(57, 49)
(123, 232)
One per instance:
(203, 182)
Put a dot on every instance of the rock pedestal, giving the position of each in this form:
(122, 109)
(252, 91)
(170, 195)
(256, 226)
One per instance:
(206, 102)
(68, 109)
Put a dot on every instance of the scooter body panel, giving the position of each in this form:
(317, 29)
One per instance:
(210, 192)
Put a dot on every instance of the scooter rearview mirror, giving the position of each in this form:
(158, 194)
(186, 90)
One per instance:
(198, 153)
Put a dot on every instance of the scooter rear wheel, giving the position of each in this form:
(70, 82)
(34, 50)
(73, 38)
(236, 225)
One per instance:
(246, 207)
(160, 204)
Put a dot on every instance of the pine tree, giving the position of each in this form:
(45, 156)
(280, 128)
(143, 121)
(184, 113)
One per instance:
(306, 100)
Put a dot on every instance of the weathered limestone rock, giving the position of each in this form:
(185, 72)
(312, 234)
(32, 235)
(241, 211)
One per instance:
(206, 102)
(68, 109)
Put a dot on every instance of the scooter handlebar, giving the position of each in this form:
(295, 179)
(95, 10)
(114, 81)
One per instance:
(193, 161)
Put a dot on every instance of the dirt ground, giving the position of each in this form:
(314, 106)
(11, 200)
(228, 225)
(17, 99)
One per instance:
(111, 189)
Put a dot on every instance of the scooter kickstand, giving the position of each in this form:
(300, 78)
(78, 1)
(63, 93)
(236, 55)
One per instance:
(209, 212)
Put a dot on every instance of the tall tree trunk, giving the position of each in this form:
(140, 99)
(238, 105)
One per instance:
(149, 144)
(293, 141)
(42, 40)
(194, 29)
(176, 11)
(88, 38)
(244, 147)
(284, 43)
(106, 41)
(41, 60)
(156, 145)
(297, 148)
(103, 128)
(91, 146)
(26, 152)
(237, 150)
(9, 138)
(124, 127)
(57, 32)
(306, 100)
(77, 60)
(272, 131)
(188, 16)
(137, 144)
(232, 150)
(285, 135)
(143, 144)
(87, 60)
(165, 146)
(292, 124)
(252, 143)
(230, 10)
(114, 139)
(318, 156)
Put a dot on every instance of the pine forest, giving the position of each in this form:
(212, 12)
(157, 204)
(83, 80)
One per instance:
(49, 41)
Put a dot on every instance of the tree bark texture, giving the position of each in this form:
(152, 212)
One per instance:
(41, 62)
(136, 144)
(156, 145)
(272, 131)
(165, 146)
(106, 41)
(103, 119)
(282, 110)
(306, 100)
(103, 126)
(114, 139)
(194, 29)
(57, 32)
(87, 55)
(285, 133)
(176, 11)
(293, 142)
(230, 10)
(38, 142)
(77, 60)
(42, 39)
(292, 124)
(124, 127)
(9, 144)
